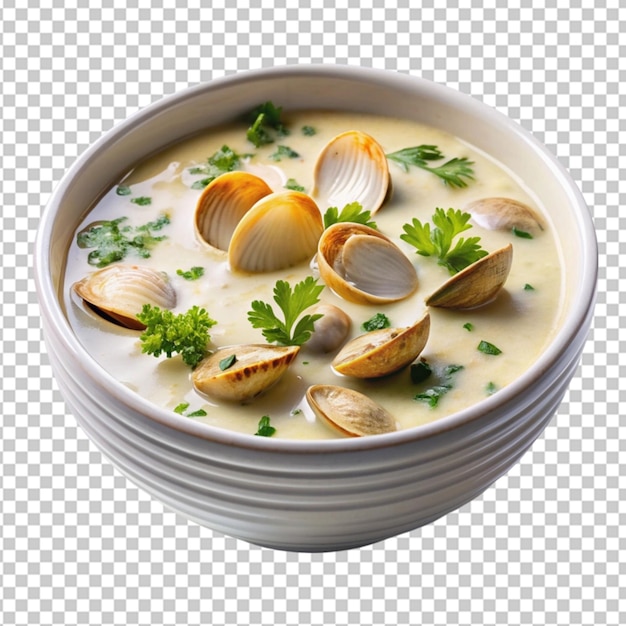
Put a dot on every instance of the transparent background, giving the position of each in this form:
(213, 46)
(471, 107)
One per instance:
(81, 545)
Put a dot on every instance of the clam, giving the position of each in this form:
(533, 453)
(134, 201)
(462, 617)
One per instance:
(384, 351)
(352, 167)
(362, 265)
(280, 230)
(240, 373)
(331, 330)
(477, 284)
(120, 291)
(504, 214)
(348, 411)
(223, 203)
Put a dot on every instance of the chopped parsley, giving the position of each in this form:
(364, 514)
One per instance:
(112, 241)
(183, 406)
(265, 125)
(522, 234)
(454, 173)
(123, 190)
(352, 212)
(308, 131)
(264, 428)
(488, 348)
(438, 241)
(292, 303)
(283, 152)
(433, 395)
(528, 287)
(192, 274)
(376, 322)
(142, 200)
(420, 371)
(490, 388)
(468, 327)
(185, 333)
(293, 184)
(221, 161)
(227, 362)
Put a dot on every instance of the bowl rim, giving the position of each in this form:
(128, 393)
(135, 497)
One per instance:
(576, 319)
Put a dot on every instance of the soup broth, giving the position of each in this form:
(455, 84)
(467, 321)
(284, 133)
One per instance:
(519, 322)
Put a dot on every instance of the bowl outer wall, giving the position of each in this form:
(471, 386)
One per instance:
(388, 457)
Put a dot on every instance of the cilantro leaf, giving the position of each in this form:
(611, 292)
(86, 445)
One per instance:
(352, 212)
(453, 172)
(438, 241)
(184, 333)
(292, 303)
(265, 124)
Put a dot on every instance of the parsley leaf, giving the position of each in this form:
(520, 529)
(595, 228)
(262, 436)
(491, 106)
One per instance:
(293, 184)
(376, 322)
(284, 152)
(183, 406)
(352, 212)
(142, 200)
(191, 274)
(221, 161)
(308, 131)
(169, 333)
(227, 362)
(265, 124)
(488, 348)
(453, 172)
(438, 241)
(432, 395)
(123, 190)
(292, 303)
(264, 428)
(111, 241)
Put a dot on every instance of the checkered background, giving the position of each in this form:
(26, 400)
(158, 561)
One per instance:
(81, 545)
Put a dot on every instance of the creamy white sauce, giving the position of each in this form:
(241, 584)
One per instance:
(520, 322)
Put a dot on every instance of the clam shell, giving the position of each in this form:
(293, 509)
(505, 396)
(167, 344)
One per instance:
(120, 291)
(362, 265)
(257, 367)
(348, 411)
(279, 231)
(504, 214)
(223, 203)
(477, 284)
(352, 167)
(384, 351)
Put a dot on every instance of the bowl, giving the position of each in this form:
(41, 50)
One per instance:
(314, 495)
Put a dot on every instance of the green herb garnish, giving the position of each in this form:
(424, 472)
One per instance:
(112, 241)
(192, 274)
(142, 200)
(352, 212)
(183, 406)
(293, 184)
(265, 125)
(453, 172)
(292, 303)
(376, 322)
(435, 393)
(227, 362)
(490, 388)
(488, 348)
(123, 190)
(185, 333)
(528, 287)
(521, 233)
(309, 131)
(264, 428)
(283, 152)
(221, 161)
(468, 326)
(438, 241)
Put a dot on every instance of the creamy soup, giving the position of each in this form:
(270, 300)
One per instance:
(520, 322)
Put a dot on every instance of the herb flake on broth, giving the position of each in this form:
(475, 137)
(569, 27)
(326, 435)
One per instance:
(168, 180)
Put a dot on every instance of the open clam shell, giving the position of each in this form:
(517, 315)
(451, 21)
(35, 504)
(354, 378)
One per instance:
(504, 214)
(120, 291)
(350, 412)
(352, 167)
(384, 351)
(254, 369)
(281, 230)
(223, 203)
(362, 265)
(477, 284)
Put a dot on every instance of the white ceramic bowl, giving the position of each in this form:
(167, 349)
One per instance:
(320, 495)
